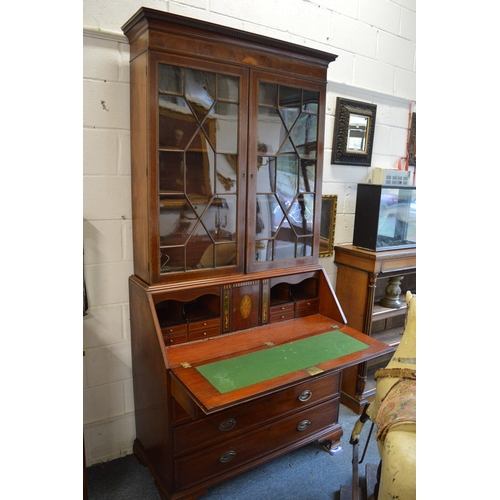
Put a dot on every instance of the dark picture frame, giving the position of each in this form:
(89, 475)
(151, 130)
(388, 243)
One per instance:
(354, 132)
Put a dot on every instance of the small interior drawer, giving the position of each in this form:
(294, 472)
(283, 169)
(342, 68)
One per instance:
(204, 334)
(282, 308)
(174, 329)
(306, 307)
(281, 312)
(206, 324)
(175, 339)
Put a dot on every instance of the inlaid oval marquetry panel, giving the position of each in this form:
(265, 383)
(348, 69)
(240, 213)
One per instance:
(245, 306)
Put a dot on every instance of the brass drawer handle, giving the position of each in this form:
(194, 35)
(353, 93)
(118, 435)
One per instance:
(303, 425)
(305, 395)
(227, 457)
(227, 425)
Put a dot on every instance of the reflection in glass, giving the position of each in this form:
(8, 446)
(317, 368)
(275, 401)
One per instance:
(304, 135)
(197, 165)
(268, 94)
(271, 127)
(307, 176)
(397, 218)
(226, 173)
(227, 88)
(200, 90)
(170, 79)
(357, 134)
(225, 134)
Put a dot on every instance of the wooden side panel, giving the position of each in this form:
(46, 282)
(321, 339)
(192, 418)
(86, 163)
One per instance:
(152, 406)
(139, 159)
(352, 289)
(329, 303)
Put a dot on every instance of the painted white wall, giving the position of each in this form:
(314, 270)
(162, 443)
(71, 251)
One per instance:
(376, 44)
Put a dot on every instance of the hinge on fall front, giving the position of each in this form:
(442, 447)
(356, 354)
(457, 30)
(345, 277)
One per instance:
(186, 365)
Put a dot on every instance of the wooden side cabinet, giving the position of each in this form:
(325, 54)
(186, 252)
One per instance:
(364, 279)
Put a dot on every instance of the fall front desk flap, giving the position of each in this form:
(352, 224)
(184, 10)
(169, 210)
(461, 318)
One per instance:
(229, 379)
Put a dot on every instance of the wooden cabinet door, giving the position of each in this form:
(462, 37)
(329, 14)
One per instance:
(245, 305)
(196, 179)
(285, 171)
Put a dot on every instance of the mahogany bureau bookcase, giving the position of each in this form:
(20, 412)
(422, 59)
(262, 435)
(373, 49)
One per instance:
(238, 339)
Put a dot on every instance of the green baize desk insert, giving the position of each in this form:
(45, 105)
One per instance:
(241, 371)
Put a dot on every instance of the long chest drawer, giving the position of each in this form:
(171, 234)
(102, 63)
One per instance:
(232, 453)
(241, 418)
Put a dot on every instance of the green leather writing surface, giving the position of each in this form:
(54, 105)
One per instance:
(241, 371)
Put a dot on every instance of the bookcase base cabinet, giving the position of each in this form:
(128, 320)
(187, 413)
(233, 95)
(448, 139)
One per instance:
(191, 435)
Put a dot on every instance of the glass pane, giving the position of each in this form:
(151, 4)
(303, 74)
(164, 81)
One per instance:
(289, 117)
(227, 212)
(290, 98)
(304, 246)
(224, 127)
(304, 135)
(307, 176)
(284, 246)
(200, 91)
(197, 246)
(271, 131)
(200, 162)
(310, 101)
(266, 206)
(287, 179)
(226, 178)
(263, 250)
(170, 79)
(268, 94)
(300, 214)
(225, 254)
(176, 122)
(171, 169)
(220, 218)
(177, 220)
(172, 259)
(265, 174)
(228, 88)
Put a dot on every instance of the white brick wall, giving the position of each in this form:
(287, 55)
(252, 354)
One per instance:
(375, 41)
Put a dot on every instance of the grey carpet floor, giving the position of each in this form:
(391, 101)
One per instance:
(309, 473)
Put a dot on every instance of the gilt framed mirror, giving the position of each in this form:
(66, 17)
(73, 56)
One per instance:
(353, 133)
(327, 225)
(412, 143)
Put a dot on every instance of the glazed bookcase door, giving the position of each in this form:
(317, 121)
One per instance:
(199, 159)
(285, 170)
